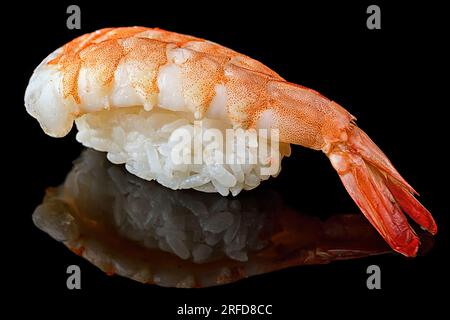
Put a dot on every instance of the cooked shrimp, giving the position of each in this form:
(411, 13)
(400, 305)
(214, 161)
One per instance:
(127, 67)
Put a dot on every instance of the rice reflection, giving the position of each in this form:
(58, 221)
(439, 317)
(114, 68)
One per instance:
(144, 231)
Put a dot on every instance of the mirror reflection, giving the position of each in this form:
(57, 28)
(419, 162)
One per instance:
(141, 230)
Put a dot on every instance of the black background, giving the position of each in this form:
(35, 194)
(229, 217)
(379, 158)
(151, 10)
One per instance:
(393, 80)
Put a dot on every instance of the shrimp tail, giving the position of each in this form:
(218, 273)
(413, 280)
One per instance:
(379, 191)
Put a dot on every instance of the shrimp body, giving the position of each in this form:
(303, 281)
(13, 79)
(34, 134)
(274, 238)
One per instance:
(126, 67)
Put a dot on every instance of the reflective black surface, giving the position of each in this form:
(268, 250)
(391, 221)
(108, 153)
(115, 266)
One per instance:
(144, 231)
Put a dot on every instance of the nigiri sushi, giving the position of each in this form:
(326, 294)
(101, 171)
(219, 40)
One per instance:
(130, 89)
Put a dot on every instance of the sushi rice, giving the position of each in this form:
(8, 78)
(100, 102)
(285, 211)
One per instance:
(143, 141)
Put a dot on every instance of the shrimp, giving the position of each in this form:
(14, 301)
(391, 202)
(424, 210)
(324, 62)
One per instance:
(136, 66)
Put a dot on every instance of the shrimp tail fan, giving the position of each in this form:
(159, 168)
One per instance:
(380, 191)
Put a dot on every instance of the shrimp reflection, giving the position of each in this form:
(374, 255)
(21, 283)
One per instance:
(146, 232)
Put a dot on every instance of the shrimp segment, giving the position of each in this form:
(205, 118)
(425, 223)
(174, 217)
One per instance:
(129, 67)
